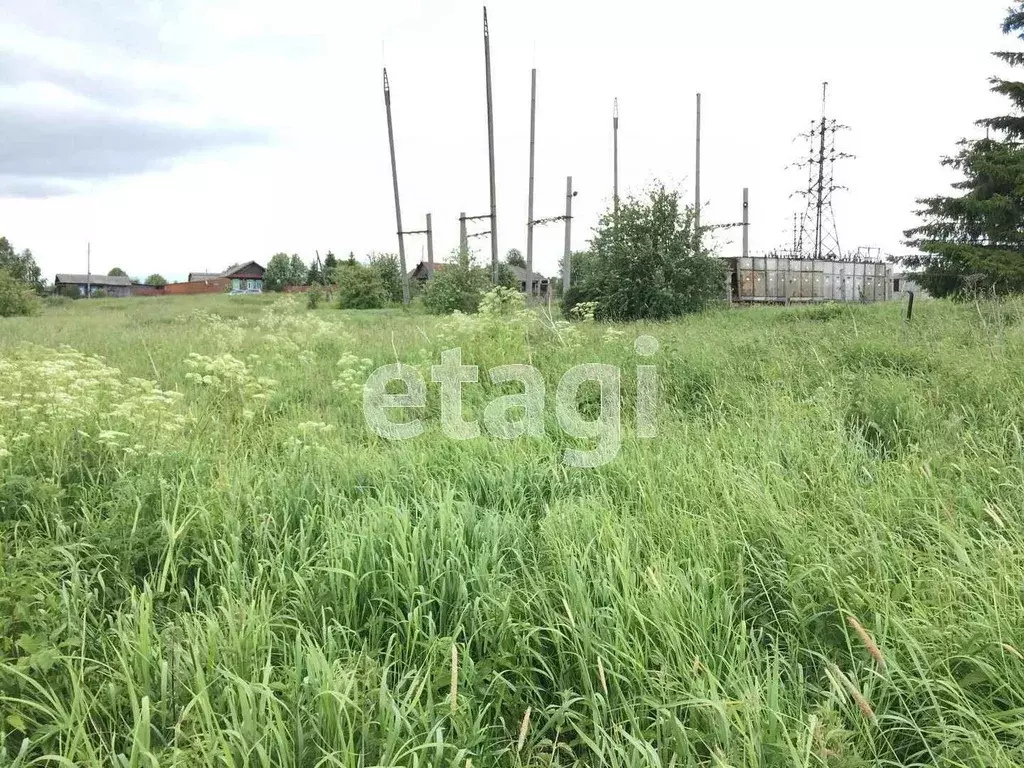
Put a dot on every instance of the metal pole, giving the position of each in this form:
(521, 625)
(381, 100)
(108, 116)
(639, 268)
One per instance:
(746, 222)
(490, 149)
(696, 188)
(615, 161)
(394, 178)
(567, 254)
(430, 248)
(463, 235)
(821, 177)
(529, 204)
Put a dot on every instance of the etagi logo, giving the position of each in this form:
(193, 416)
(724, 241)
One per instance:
(522, 414)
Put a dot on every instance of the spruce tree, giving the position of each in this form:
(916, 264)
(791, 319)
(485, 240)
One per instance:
(975, 241)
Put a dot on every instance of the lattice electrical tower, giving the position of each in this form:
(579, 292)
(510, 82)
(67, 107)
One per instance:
(816, 235)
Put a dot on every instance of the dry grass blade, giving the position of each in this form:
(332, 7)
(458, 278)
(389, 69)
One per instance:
(855, 694)
(524, 728)
(867, 640)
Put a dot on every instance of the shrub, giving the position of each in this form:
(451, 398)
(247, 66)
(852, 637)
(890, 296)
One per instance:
(99, 293)
(69, 291)
(359, 287)
(314, 296)
(502, 301)
(16, 298)
(644, 265)
(457, 287)
(389, 272)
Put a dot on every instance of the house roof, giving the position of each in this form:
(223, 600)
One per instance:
(196, 277)
(518, 272)
(112, 280)
(240, 268)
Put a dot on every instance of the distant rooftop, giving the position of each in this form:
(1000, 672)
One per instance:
(94, 280)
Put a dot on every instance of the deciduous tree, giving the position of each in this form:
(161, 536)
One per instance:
(21, 267)
(278, 272)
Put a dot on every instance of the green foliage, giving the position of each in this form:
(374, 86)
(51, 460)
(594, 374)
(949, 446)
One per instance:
(457, 287)
(645, 267)
(68, 290)
(297, 271)
(314, 296)
(16, 297)
(974, 243)
(330, 262)
(360, 287)
(99, 293)
(278, 272)
(389, 271)
(314, 276)
(502, 301)
(156, 280)
(20, 266)
(117, 272)
(506, 277)
(515, 258)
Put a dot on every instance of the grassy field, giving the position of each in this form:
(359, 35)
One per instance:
(207, 559)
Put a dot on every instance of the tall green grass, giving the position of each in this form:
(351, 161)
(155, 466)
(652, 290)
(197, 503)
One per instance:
(818, 562)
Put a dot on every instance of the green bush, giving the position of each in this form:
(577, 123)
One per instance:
(360, 287)
(390, 274)
(314, 296)
(644, 264)
(16, 298)
(458, 287)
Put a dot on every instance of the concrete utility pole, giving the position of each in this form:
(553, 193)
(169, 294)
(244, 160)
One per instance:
(567, 254)
(430, 247)
(529, 204)
(696, 188)
(463, 235)
(615, 161)
(746, 222)
(394, 178)
(490, 148)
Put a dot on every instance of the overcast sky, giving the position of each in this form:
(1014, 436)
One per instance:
(181, 135)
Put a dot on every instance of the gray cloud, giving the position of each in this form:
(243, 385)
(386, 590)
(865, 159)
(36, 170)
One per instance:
(133, 26)
(45, 149)
(18, 68)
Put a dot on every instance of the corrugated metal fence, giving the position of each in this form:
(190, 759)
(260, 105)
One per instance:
(808, 280)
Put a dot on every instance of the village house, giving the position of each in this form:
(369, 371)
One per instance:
(240, 277)
(540, 283)
(89, 285)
